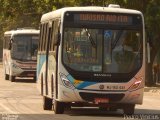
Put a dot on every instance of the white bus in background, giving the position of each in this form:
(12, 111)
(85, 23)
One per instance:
(20, 53)
(92, 56)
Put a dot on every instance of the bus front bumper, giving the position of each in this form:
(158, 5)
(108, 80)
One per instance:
(127, 97)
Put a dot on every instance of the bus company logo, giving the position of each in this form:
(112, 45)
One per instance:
(101, 87)
(102, 75)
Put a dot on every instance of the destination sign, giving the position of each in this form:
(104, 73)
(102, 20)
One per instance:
(103, 18)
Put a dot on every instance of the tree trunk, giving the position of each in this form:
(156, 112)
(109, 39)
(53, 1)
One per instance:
(149, 75)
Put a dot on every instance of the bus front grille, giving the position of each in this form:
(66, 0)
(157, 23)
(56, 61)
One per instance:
(27, 74)
(91, 96)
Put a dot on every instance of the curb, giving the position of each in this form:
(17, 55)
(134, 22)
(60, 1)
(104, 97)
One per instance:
(152, 89)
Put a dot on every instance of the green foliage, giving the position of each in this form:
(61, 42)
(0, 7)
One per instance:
(153, 16)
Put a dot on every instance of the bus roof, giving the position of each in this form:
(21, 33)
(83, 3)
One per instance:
(58, 13)
(22, 31)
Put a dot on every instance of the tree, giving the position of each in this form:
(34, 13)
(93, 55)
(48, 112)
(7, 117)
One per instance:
(152, 21)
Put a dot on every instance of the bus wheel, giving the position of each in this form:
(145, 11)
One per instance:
(6, 77)
(58, 107)
(129, 109)
(47, 103)
(12, 78)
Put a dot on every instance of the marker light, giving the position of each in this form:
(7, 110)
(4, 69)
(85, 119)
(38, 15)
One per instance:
(136, 84)
(65, 81)
(113, 6)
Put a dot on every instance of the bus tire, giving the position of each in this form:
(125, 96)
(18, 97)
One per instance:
(6, 77)
(12, 78)
(47, 103)
(129, 109)
(58, 107)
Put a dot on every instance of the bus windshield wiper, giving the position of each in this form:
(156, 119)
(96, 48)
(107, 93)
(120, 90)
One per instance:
(117, 39)
(90, 38)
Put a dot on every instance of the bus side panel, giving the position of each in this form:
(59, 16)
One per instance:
(51, 74)
(41, 65)
(6, 61)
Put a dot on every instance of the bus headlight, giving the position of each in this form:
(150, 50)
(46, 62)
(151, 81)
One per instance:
(65, 81)
(135, 85)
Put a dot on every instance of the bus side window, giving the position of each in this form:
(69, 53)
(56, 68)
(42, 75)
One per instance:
(41, 37)
(52, 37)
(10, 44)
(44, 37)
(6, 42)
(55, 30)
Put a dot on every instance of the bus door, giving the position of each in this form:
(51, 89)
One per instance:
(52, 57)
(48, 39)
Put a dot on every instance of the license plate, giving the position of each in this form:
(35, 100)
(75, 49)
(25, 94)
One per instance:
(101, 100)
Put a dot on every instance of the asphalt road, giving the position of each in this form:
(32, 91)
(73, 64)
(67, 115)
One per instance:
(21, 100)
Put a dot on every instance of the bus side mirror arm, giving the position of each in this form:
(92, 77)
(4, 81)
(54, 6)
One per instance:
(58, 35)
(58, 38)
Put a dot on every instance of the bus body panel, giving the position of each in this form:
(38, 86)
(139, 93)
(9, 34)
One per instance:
(6, 61)
(52, 73)
(41, 72)
(41, 68)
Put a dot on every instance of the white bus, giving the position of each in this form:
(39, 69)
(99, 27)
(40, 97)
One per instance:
(92, 56)
(20, 53)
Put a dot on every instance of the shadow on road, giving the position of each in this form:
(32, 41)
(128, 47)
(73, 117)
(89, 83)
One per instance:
(147, 111)
(104, 113)
(93, 112)
(25, 80)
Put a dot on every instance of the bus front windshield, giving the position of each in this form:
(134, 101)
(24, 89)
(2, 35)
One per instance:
(102, 50)
(24, 47)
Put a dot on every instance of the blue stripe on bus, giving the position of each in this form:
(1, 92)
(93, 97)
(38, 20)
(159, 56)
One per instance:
(42, 59)
(85, 84)
(70, 78)
(80, 84)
